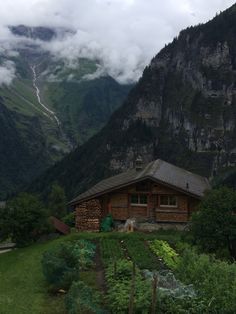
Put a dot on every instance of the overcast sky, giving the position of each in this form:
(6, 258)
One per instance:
(123, 34)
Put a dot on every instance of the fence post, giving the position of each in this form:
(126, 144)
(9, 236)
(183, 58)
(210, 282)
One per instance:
(154, 294)
(132, 291)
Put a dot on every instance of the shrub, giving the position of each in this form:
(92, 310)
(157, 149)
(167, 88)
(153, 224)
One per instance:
(24, 219)
(168, 305)
(214, 225)
(214, 280)
(163, 250)
(82, 299)
(69, 219)
(61, 265)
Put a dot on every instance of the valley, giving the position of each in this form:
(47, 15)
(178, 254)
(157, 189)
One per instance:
(53, 108)
(117, 159)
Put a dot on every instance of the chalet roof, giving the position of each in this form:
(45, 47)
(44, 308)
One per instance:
(159, 171)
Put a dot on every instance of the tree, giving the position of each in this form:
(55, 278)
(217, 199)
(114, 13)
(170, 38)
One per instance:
(23, 220)
(57, 201)
(214, 225)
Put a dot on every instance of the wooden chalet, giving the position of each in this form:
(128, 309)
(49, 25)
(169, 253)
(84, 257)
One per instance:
(157, 192)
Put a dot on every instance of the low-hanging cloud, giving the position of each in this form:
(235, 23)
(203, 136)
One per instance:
(122, 35)
(7, 73)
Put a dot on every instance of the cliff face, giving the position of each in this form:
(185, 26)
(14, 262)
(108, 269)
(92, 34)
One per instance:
(182, 110)
(187, 99)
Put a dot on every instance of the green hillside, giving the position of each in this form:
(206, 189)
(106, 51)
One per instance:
(72, 109)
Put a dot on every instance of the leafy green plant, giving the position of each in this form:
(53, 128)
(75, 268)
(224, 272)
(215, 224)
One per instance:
(69, 219)
(141, 254)
(119, 278)
(164, 251)
(110, 250)
(86, 251)
(167, 304)
(214, 280)
(62, 264)
(82, 299)
(107, 223)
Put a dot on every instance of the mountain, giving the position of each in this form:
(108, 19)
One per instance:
(50, 107)
(182, 110)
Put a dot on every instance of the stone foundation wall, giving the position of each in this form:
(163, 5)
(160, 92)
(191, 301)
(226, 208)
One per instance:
(88, 216)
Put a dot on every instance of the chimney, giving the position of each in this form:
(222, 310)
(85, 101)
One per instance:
(139, 163)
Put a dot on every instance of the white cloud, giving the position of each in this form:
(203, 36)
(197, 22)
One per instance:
(7, 73)
(122, 34)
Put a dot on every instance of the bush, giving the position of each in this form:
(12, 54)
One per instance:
(82, 299)
(69, 219)
(214, 280)
(214, 225)
(23, 220)
(62, 264)
(169, 305)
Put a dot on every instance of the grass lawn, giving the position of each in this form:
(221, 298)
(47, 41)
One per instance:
(22, 285)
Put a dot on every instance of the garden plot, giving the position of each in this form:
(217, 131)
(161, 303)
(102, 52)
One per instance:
(110, 250)
(141, 254)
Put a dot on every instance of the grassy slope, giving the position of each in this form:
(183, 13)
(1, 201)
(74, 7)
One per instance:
(23, 289)
(21, 98)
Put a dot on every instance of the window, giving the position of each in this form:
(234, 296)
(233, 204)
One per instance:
(168, 201)
(139, 199)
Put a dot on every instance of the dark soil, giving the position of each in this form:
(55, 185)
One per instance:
(100, 270)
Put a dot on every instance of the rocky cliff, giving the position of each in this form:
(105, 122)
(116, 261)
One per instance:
(182, 110)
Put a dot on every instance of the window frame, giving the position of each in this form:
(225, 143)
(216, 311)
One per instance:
(139, 199)
(168, 196)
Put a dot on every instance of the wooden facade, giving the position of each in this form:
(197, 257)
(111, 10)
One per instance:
(147, 201)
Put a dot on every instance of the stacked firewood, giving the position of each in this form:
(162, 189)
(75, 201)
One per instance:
(88, 216)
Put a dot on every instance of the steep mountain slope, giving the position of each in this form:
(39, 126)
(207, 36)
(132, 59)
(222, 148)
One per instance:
(19, 149)
(182, 110)
(51, 107)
